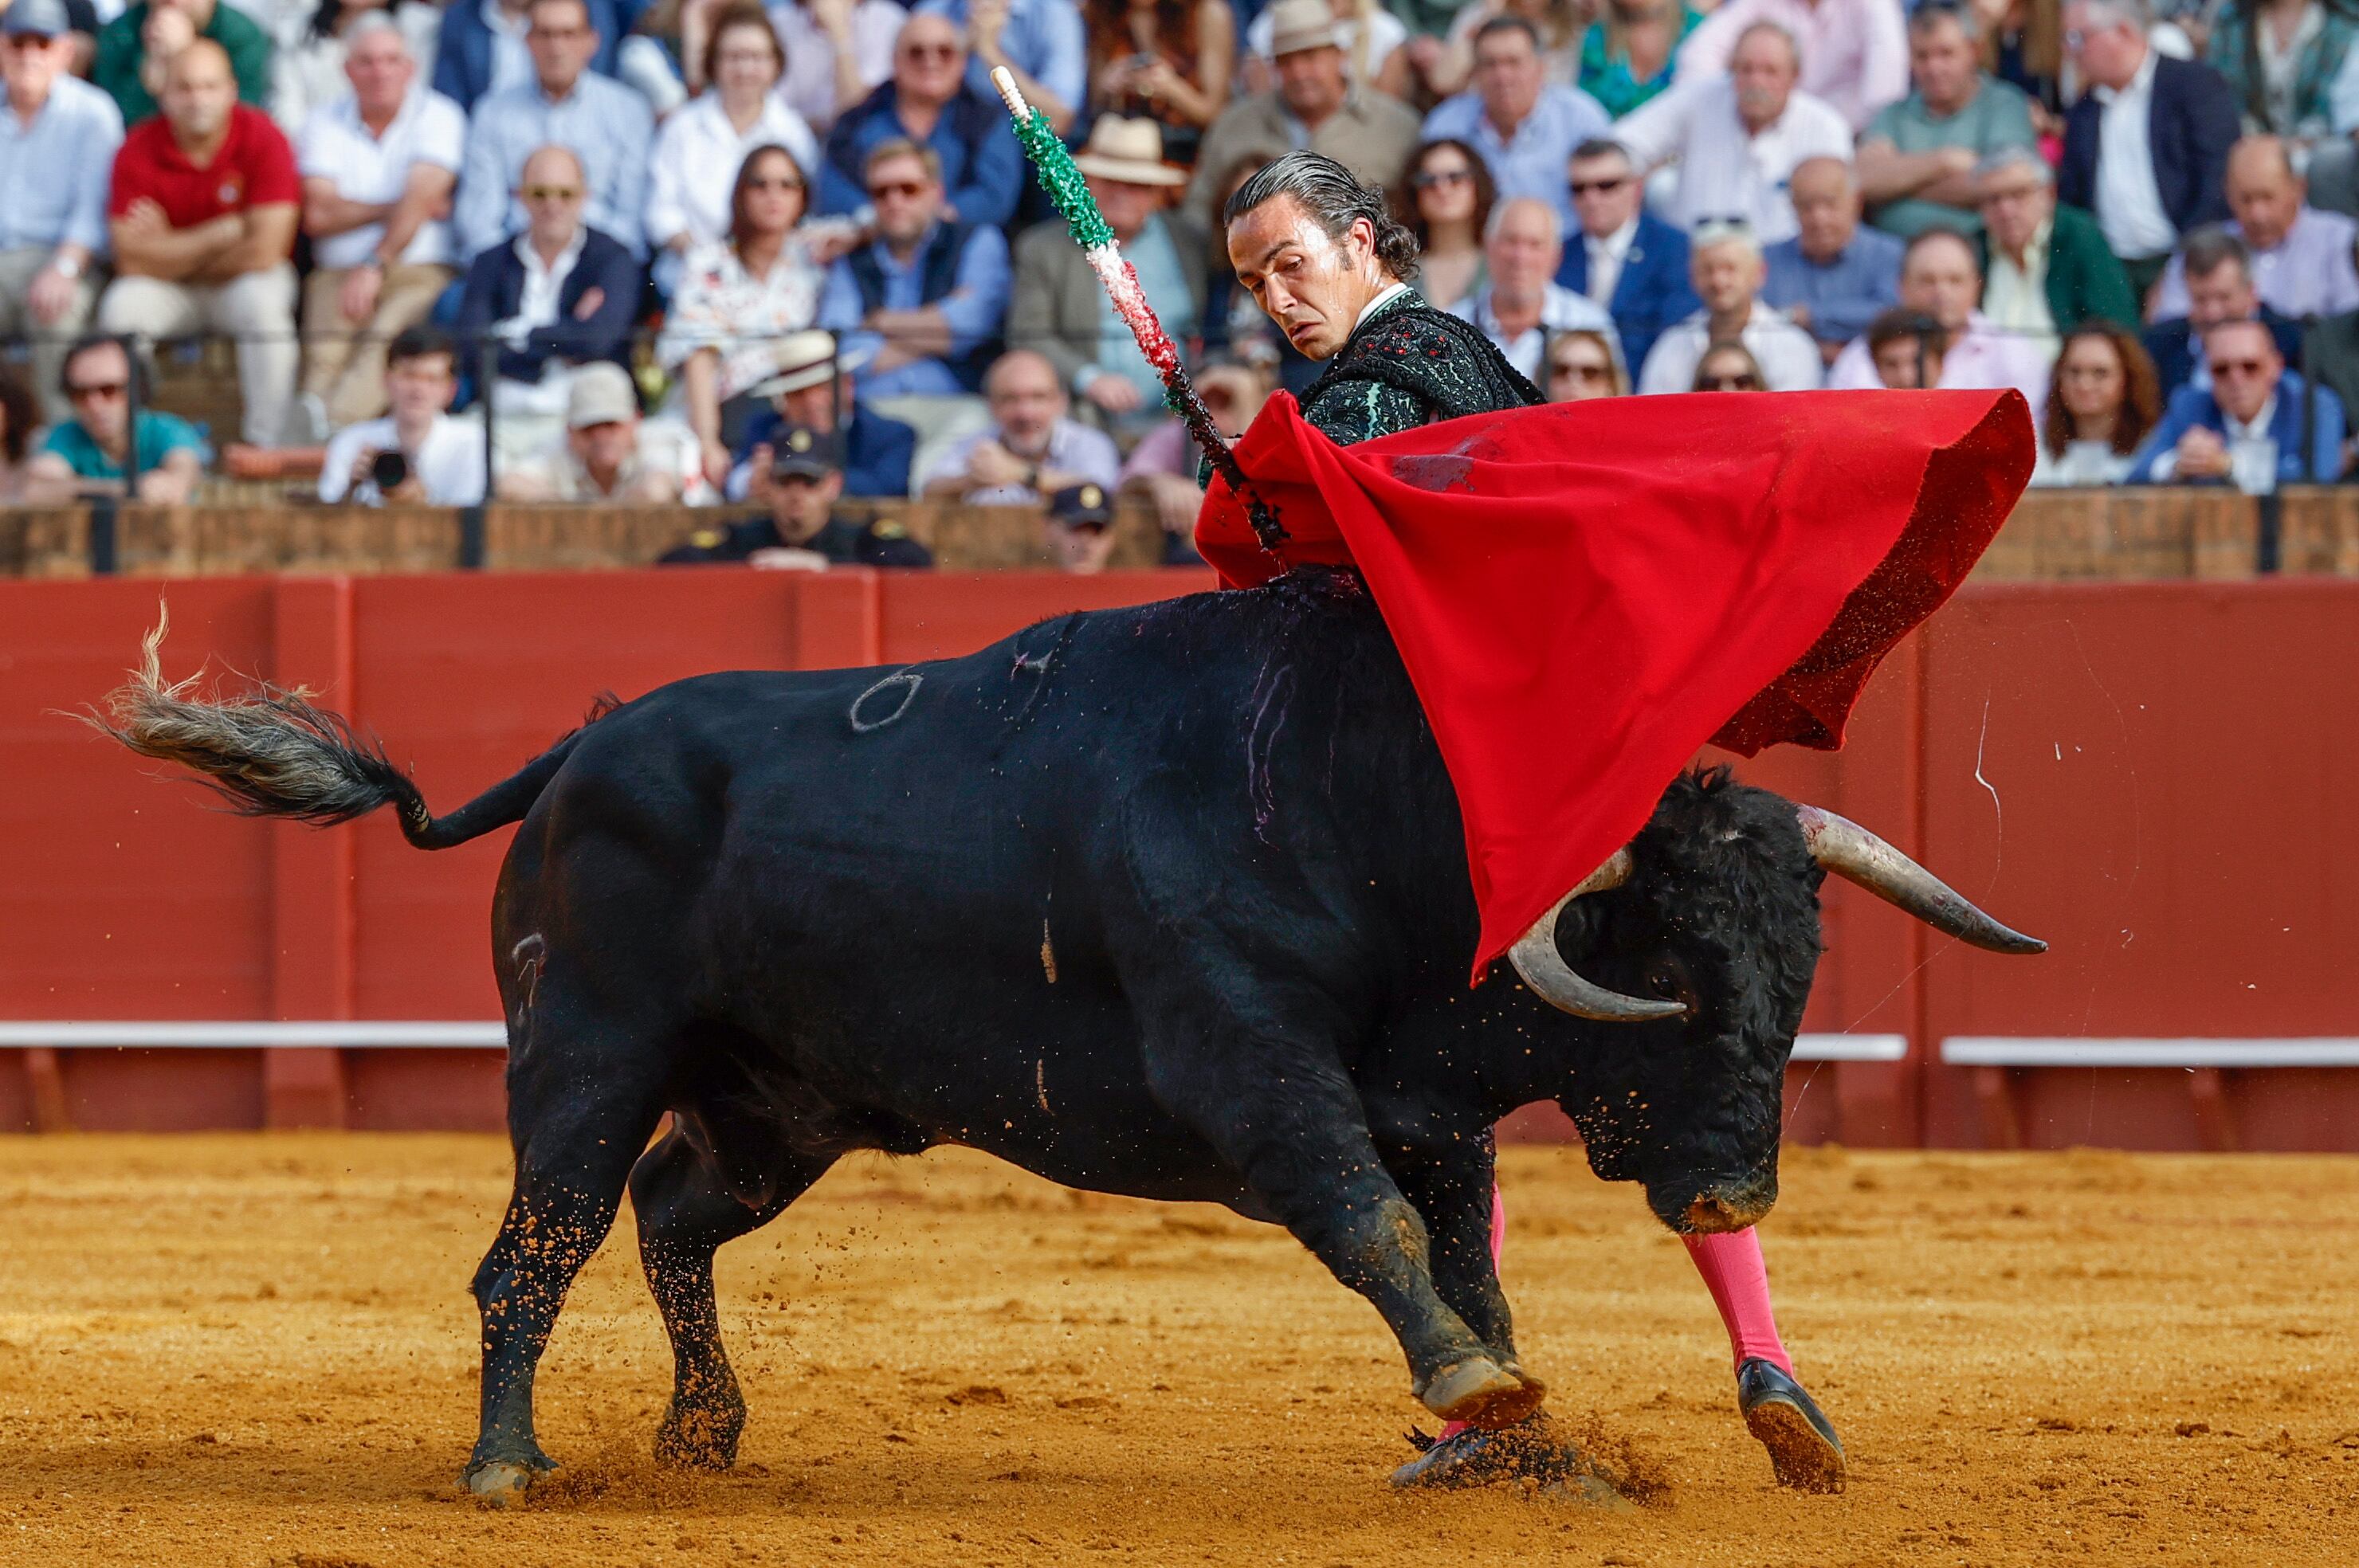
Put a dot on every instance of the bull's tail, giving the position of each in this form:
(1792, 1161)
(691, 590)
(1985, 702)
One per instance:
(271, 752)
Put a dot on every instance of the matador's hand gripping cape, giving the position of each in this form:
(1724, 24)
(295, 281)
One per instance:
(1586, 593)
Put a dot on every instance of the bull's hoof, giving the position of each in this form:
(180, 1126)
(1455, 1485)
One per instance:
(699, 1438)
(503, 1483)
(1803, 1448)
(1482, 1392)
(1529, 1453)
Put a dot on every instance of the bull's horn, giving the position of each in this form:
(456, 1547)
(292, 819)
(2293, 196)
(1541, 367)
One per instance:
(1854, 854)
(1545, 971)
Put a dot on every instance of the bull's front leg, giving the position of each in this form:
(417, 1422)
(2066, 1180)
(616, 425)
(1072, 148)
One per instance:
(1295, 1131)
(1454, 1190)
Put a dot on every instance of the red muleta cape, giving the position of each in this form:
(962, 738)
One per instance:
(1586, 593)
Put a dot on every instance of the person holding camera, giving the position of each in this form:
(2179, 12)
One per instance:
(417, 454)
(802, 532)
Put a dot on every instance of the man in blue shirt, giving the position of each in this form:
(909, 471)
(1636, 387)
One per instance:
(1040, 42)
(481, 48)
(930, 103)
(921, 305)
(606, 125)
(58, 137)
(1834, 276)
(1525, 126)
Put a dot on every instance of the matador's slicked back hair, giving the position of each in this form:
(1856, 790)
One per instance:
(1334, 198)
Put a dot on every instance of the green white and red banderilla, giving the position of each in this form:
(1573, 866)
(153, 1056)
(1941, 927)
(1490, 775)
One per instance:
(1088, 226)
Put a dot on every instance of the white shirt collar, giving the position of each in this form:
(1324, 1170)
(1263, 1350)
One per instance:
(2139, 85)
(2259, 430)
(528, 254)
(1616, 245)
(1384, 295)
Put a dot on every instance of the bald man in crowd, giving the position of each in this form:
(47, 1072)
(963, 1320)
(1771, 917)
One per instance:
(1834, 276)
(2299, 257)
(1941, 276)
(202, 215)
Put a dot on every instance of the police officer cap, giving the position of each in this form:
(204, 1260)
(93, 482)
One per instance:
(800, 453)
(1084, 506)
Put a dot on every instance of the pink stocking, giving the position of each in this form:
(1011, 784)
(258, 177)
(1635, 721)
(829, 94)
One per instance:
(1738, 1280)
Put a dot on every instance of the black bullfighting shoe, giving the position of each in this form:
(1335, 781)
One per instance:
(1529, 1453)
(1803, 1444)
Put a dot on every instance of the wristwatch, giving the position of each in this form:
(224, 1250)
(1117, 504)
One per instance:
(66, 266)
(1032, 476)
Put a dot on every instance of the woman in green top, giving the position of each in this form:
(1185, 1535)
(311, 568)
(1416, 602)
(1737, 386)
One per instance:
(1627, 55)
(2281, 57)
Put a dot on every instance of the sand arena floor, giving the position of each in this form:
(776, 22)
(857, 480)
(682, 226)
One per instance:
(258, 1349)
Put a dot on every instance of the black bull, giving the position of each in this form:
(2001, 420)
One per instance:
(1170, 902)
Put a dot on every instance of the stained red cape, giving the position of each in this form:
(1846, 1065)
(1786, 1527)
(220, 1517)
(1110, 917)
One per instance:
(1586, 593)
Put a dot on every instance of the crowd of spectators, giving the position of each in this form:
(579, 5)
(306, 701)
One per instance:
(787, 255)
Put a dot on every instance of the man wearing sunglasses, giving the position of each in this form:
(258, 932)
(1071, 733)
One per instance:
(1623, 257)
(924, 303)
(560, 294)
(2257, 426)
(929, 101)
(57, 138)
(565, 103)
(86, 454)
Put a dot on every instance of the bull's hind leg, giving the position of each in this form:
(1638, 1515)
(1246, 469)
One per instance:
(688, 1208)
(578, 1114)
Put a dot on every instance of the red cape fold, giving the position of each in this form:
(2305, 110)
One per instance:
(1586, 593)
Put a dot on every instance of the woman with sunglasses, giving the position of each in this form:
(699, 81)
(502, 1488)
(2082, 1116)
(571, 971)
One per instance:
(1444, 199)
(2103, 400)
(1581, 364)
(1728, 366)
(698, 154)
(737, 300)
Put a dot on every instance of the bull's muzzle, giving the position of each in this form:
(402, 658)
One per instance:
(1725, 1209)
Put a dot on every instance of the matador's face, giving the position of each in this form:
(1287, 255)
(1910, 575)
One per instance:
(1313, 286)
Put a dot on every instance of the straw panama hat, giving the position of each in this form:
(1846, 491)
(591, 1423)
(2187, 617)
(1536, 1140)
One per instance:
(1130, 151)
(1298, 25)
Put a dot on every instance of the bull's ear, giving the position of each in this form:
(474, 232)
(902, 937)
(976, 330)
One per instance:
(1851, 852)
(1540, 963)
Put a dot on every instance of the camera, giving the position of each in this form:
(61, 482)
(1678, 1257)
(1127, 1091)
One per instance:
(388, 471)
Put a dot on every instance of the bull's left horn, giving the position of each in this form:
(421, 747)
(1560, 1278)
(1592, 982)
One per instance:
(1545, 971)
(1854, 854)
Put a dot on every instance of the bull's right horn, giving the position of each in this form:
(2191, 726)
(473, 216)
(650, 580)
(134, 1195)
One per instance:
(1545, 971)
(1857, 856)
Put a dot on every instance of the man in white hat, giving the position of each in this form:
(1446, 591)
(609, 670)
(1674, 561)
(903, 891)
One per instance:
(1060, 309)
(1316, 106)
(814, 390)
(608, 455)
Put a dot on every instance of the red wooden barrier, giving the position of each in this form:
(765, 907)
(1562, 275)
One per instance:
(2150, 775)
